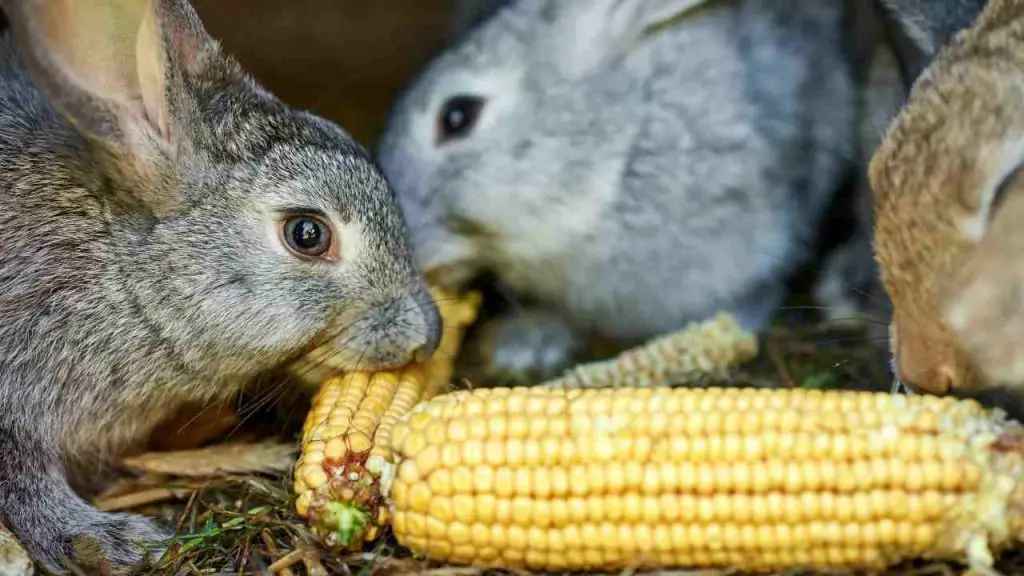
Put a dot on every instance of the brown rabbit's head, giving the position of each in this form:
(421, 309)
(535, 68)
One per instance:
(949, 205)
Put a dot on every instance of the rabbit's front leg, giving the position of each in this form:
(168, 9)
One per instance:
(527, 346)
(848, 289)
(56, 525)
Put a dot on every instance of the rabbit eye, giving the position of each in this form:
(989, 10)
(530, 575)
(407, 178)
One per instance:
(308, 236)
(458, 116)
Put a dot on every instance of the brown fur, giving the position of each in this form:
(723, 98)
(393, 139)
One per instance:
(933, 177)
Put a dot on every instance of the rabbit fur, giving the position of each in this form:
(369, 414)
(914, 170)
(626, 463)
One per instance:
(143, 177)
(636, 164)
(948, 205)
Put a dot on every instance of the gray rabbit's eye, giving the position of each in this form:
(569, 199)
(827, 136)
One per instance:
(458, 116)
(309, 236)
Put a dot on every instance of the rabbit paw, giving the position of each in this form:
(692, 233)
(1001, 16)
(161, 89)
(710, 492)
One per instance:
(848, 289)
(526, 347)
(58, 528)
(84, 538)
(124, 542)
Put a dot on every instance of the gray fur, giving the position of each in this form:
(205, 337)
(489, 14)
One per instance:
(124, 294)
(633, 180)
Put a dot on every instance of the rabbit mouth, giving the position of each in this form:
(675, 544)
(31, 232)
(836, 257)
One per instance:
(330, 359)
(311, 370)
(386, 336)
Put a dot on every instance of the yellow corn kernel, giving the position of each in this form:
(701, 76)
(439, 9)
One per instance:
(343, 452)
(674, 478)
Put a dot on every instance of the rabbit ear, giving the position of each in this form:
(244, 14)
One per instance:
(112, 67)
(921, 27)
(590, 32)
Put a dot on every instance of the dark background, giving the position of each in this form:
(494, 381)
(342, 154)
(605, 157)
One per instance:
(344, 59)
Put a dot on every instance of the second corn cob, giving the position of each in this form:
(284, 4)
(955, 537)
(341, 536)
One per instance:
(745, 479)
(698, 348)
(343, 451)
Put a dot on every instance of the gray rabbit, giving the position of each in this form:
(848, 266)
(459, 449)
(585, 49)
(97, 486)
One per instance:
(629, 165)
(168, 231)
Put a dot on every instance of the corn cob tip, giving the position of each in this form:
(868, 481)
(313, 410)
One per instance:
(341, 511)
(346, 524)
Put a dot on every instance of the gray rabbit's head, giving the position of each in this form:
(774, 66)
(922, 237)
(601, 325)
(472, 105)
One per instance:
(635, 163)
(480, 131)
(244, 231)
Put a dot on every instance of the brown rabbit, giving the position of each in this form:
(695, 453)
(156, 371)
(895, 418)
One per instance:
(949, 199)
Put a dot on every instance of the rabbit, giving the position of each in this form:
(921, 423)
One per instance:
(628, 166)
(169, 231)
(949, 195)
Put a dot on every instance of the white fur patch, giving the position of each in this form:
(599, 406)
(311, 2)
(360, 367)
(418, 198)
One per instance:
(272, 230)
(351, 241)
(1004, 158)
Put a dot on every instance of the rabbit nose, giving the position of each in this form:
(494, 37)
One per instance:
(925, 364)
(939, 380)
(927, 376)
(432, 326)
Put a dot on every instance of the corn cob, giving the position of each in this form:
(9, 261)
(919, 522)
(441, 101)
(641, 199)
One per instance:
(746, 479)
(336, 477)
(699, 348)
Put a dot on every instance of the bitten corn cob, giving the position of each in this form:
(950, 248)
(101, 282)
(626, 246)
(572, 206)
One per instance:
(748, 479)
(336, 477)
(699, 348)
